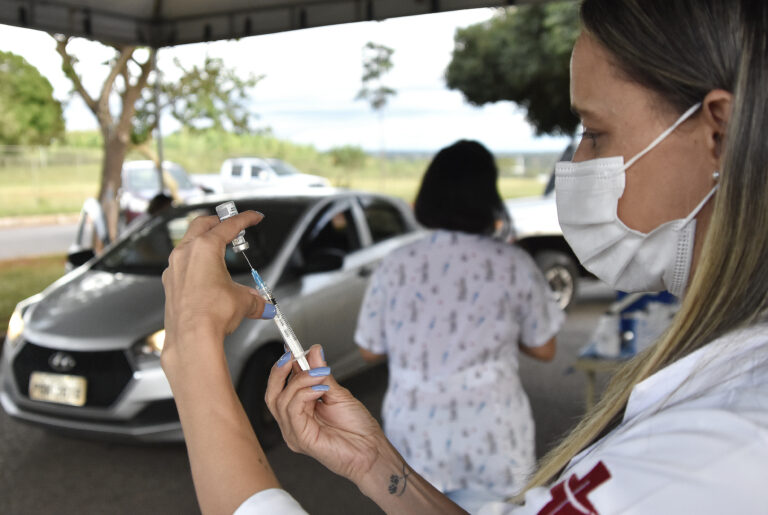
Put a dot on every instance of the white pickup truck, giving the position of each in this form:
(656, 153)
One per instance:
(249, 173)
(537, 230)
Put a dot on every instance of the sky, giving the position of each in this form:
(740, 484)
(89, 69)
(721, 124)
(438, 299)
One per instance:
(311, 79)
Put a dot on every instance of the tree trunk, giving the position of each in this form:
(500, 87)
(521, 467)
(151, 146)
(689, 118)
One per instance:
(146, 150)
(115, 149)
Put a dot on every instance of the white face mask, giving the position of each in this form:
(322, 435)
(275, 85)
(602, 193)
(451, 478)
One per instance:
(587, 195)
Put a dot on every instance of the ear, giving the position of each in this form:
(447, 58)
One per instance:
(716, 110)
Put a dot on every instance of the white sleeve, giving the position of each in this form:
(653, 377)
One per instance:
(542, 318)
(273, 501)
(370, 332)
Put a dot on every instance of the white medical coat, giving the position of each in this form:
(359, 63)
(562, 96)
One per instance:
(694, 439)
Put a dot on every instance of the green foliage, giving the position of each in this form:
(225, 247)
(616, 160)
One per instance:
(210, 96)
(377, 61)
(348, 156)
(22, 278)
(522, 55)
(82, 139)
(29, 114)
(203, 151)
(213, 95)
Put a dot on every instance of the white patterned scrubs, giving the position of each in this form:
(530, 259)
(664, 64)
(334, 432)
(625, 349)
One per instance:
(449, 311)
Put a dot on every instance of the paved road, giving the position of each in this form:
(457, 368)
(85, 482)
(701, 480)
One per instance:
(41, 472)
(17, 242)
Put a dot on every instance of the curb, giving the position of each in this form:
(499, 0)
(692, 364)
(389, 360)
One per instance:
(12, 222)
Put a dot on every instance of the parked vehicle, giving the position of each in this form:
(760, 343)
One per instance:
(537, 230)
(246, 173)
(83, 355)
(141, 183)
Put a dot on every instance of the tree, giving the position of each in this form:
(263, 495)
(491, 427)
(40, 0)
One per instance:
(29, 115)
(522, 54)
(127, 115)
(203, 97)
(377, 61)
(127, 77)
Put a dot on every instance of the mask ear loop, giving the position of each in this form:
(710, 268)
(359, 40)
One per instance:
(664, 134)
(696, 210)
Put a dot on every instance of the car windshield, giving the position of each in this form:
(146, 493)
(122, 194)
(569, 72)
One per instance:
(146, 250)
(281, 167)
(138, 179)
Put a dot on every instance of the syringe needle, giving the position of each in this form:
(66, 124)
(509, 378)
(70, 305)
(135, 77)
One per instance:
(247, 261)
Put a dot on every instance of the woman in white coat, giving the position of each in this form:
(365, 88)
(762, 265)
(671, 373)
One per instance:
(668, 189)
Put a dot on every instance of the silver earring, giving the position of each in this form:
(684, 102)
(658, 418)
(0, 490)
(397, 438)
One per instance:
(716, 176)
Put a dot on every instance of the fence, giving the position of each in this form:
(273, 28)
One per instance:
(57, 179)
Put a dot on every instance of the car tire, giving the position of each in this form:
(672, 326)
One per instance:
(253, 385)
(561, 272)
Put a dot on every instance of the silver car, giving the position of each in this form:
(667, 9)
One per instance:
(83, 355)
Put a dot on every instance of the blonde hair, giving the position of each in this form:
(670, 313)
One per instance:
(682, 50)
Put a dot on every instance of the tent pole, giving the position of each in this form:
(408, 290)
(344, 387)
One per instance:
(157, 116)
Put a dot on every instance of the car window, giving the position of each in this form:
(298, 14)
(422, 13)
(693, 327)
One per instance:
(237, 170)
(384, 220)
(281, 167)
(142, 179)
(146, 250)
(333, 231)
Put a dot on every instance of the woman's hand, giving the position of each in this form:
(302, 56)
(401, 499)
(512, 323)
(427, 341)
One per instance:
(323, 420)
(337, 430)
(201, 299)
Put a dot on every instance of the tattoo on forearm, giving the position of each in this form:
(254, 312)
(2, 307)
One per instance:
(397, 483)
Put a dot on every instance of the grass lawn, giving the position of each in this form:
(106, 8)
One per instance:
(22, 278)
(55, 189)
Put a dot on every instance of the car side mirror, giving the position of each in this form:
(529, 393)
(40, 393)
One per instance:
(80, 257)
(323, 261)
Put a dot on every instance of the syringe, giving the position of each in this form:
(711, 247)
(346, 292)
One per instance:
(227, 210)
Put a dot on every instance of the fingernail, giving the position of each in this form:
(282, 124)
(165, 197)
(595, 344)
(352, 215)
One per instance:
(321, 387)
(269, 311)
(285, 358)
(322, 353)
(320, 371)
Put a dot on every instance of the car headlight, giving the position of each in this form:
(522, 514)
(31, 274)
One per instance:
(15, 328)
(152, 344)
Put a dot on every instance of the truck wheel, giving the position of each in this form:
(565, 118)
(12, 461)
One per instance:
(561, 273)
(253, 385)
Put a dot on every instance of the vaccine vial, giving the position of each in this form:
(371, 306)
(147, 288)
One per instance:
(228, 210)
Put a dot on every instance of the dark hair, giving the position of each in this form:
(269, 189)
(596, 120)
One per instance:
(458, 191)
(158, 203)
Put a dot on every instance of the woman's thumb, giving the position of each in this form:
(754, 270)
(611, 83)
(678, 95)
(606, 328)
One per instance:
(257, 307)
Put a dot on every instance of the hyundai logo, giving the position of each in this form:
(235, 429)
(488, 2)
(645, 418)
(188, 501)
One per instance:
(62, 362)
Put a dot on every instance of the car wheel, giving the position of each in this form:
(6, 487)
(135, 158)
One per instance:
(561, 273)
(253, 385)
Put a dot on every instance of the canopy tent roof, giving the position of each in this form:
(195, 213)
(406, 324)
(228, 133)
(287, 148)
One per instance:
(161, 23)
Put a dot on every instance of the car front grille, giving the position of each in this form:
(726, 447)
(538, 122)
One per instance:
(107, 372)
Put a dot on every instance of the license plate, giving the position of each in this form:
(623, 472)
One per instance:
(58, 388)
